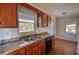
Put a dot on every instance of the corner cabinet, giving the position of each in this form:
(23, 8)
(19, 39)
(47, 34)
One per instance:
(8, 15)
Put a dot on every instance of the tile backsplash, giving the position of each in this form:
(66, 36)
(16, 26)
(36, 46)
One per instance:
(42, 29)
(8, 33)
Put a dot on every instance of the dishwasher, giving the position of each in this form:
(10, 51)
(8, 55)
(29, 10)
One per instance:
(48, 44)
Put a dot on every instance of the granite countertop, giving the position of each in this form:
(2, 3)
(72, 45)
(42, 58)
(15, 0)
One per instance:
(9, 47)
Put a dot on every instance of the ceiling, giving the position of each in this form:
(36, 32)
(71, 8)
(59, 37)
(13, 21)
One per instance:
(56, 9)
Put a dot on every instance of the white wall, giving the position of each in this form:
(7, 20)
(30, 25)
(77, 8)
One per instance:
(52, 27)
(78, 44)
(78, 37)
(60, 28)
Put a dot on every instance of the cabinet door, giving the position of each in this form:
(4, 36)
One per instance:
(49, 20)
(41, 47)
(18, 52)
(26, 50)
(45, 20)
(53, 41)
(39, 20)
(8, 15)
(34, 51)
(22, 51)
(14, 53)
(32, 46)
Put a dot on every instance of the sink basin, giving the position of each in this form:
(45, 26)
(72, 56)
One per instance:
(29, 39)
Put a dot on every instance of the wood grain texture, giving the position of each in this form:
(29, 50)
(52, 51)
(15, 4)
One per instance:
(41, 47)
(45, 20)
(18, 52)
(63, 47)
(8, 15)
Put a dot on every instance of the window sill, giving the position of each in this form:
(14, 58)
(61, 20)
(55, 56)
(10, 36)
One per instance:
(26, 33)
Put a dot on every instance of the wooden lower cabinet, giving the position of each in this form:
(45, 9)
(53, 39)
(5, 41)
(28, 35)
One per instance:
(36, 48)
(26, 50)
(53, 41)
(41, 50)
(34, 51)
(41, 47)
(22, 51)
(18, 52)
(14, 53)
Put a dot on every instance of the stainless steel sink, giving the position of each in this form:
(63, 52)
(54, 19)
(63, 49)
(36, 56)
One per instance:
(30, 39)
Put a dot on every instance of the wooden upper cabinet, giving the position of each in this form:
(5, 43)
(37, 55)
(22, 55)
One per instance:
(42, 20)
(39, 20)
(8, 15)
(45, 20)
(49, 20)
(30, 7)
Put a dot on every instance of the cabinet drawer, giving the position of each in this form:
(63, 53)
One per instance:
(53, 41)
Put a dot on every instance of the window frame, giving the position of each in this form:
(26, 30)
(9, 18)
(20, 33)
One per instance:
(70, 32)
(25, 31)
(35, 20)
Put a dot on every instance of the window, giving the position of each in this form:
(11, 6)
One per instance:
(26, 26)
(71, 26)
(26, 21)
